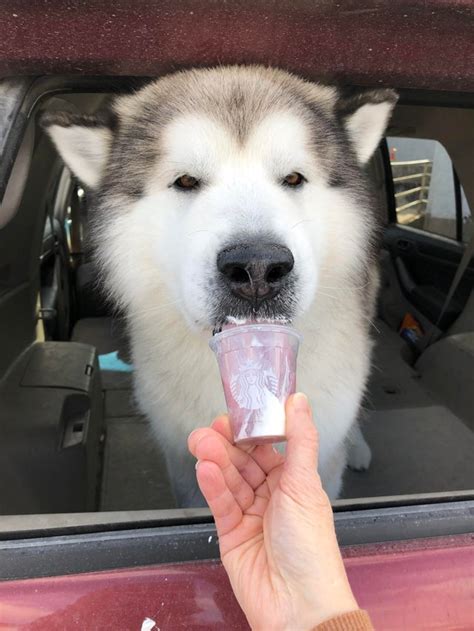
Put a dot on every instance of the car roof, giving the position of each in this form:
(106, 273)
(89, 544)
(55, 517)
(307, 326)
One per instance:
(407, 44)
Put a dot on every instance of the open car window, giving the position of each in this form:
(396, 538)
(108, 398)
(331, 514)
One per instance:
(73, 436)
(428, 193)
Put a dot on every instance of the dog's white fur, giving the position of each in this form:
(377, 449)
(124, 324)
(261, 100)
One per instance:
(160, 262)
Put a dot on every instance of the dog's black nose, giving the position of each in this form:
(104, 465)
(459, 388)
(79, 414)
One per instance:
(256, 271)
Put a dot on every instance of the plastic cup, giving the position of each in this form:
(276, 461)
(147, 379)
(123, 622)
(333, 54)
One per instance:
(257, 363)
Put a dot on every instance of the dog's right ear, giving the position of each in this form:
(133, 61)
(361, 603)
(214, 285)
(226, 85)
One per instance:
(82, 141)
(365, 114)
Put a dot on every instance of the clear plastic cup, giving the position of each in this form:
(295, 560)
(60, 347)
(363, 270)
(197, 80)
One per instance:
(257, 363)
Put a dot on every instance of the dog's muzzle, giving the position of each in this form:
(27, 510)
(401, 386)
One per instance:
(255, 272)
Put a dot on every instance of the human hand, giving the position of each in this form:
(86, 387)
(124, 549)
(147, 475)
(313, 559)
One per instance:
(275, 524)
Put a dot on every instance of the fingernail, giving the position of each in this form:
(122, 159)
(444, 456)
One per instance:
(193, 432)
(198, 462)
(300, 402)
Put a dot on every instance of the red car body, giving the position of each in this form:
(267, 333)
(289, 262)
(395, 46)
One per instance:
(422, 585)
(420, 47)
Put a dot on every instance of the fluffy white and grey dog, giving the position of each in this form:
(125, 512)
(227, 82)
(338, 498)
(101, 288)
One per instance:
(236, 192)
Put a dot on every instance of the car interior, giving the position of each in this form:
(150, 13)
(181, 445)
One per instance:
(72, 438)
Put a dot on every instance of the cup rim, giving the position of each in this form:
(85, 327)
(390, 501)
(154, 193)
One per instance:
(248, 328)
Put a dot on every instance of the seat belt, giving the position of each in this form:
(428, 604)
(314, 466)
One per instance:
(60, 263)
(436, 332)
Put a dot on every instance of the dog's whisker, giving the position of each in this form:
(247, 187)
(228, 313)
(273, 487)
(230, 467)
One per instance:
(345, 289)
(322, 293)
(190, 234)
(341, 299)
(161, 306)
(298, 223)
(143, 315)
(372, 323)
(369, 402)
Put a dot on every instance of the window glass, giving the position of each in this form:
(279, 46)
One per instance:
(467, 219)
(424, 186)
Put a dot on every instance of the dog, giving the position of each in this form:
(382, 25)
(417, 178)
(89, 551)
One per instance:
(236, 193)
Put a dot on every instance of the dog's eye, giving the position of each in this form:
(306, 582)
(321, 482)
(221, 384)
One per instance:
(186, 182)
(294, 180)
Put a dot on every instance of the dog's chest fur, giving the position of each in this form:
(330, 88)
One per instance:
(178, 383)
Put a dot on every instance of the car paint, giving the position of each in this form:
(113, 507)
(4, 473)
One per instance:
(403, 44)
(422, 584)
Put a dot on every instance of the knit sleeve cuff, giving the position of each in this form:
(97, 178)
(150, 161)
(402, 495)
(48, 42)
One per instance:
(353, 621)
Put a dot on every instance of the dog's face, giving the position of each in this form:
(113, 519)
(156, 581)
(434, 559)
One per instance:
(233, 193)
(235, 230)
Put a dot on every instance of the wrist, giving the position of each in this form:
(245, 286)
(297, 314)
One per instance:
(328, 604)
(332, 610)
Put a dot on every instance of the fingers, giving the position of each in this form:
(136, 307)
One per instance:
(266, 457)
(224, 507)
(222, 425)
(253, 466)
(209, 446)
(302, 447)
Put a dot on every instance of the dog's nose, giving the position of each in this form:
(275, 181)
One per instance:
(255, 272)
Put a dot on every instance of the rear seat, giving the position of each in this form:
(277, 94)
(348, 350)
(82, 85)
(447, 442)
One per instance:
(51, 430)
(107, 334)
(415, 419)
(447, 371)
(134, 474)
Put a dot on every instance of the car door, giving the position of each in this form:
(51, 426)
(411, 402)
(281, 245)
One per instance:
(430, 223)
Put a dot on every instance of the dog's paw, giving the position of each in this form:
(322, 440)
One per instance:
(360, 456)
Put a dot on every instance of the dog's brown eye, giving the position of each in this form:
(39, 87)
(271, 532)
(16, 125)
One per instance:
(187, 182)
(293, 179)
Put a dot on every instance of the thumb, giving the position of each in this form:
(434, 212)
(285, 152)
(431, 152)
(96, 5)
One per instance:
(302, 436)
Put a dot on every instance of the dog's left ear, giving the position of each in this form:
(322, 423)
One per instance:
(83, 142)
(365, 115)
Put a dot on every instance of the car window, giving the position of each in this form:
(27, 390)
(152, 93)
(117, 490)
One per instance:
(96, 454)
(428, 195)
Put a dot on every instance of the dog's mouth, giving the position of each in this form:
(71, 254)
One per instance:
(230, 310)
(231, 322)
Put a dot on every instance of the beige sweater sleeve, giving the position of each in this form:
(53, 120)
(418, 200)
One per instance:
(354, 621)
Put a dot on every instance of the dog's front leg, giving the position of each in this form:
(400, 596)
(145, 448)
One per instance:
(359, 454)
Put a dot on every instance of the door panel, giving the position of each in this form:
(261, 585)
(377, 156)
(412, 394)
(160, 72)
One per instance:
(429, 220)
(426, 264)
